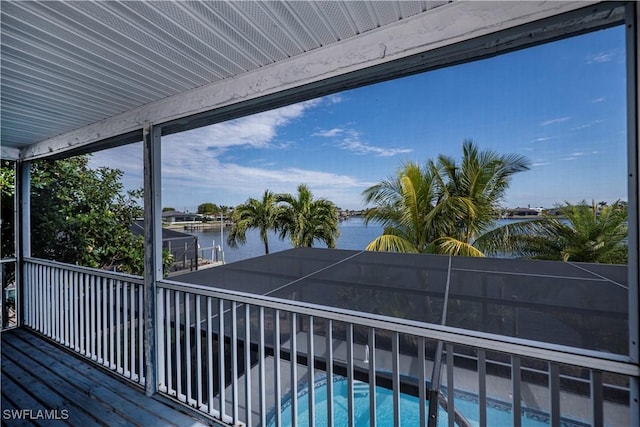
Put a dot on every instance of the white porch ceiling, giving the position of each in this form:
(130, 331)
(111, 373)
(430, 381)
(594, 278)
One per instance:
(77, 72)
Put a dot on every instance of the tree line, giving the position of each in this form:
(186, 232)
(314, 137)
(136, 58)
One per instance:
(299, 217)
(81, 215)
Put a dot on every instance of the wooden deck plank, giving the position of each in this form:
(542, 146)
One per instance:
(41, 373)
(98, 398)
(16, 401)
(55, 393)
(116, 386)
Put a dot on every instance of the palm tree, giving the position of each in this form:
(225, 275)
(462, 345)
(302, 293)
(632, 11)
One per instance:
(402, 206)
(589, 233)
(304, 219)
(444, 207)
(260, 214)
(470, 194)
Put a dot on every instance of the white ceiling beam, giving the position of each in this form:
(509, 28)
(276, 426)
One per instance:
(9, 153)
(290, 81)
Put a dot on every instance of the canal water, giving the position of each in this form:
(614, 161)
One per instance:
(354, 234)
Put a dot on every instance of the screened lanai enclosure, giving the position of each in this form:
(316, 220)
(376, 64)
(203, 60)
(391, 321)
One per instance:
(305, 336)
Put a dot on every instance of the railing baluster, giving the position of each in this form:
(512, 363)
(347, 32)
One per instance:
(67, 310)
(221, 356)
(482, 387)
(371, 357)
(75, 311)
(187, 345)
(104, 310)
(198, 339)
(247, 364)
(422, 381)
(55, 302)
(211, 368)
(350, 404)
(293, 341)
(98, 322)
(311, 374)
(84, 315)
(450, 387)
(554, 390)
(132, 326)
(234, 362)
(329, 362)
(178, 321)
(37, 298)
(161, 340)
(141, 332)
(276, 366)
(112, 308)
(597, 399)
(395, 374)
(126, 325)
(516, 391)
(93, 333)
(118, 327)
(167, 307)
(261, 368)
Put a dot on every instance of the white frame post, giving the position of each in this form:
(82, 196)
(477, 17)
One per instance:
(152, 250)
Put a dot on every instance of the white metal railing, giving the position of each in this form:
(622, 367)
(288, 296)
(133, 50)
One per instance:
(96, 313)
(248, 360)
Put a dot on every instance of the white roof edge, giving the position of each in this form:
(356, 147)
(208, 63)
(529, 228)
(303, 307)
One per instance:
(443, 26)
(9, 153)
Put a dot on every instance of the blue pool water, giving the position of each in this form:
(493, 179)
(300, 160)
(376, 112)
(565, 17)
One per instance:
(409, 409)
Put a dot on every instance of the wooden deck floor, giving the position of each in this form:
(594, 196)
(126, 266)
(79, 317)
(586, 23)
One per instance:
(40, 380)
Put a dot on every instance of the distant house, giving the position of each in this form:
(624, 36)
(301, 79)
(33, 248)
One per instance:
(172, 217)
(183, 247)
(524, 212)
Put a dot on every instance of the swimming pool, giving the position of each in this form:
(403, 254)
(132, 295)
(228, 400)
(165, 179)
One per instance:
(409, 409)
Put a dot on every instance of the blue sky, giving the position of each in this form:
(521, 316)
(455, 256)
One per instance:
(562, 105)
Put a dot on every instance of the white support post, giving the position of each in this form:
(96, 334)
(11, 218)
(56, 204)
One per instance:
(152, 249)
(22, 233)
(632, 22)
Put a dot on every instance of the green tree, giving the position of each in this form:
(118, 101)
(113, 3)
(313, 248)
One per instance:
(469, 196)
(254, 214)
(7, 190)
(304, 219)
(444, 207)
(402, 206)
(594, 233)
(208, 208)
(168, 209)
(81, 215)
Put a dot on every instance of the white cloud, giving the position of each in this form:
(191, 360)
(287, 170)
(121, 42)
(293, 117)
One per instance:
(194, 171)
(329, 133)
(358, 147)
(553, 121)
(257, 130)
(540, 164)
(545, 138)
(597, 100)
(601, 57)
(351, 142)
(587, 125)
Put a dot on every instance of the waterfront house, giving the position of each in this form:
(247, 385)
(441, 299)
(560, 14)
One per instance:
(175, 217)
(90, 347)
